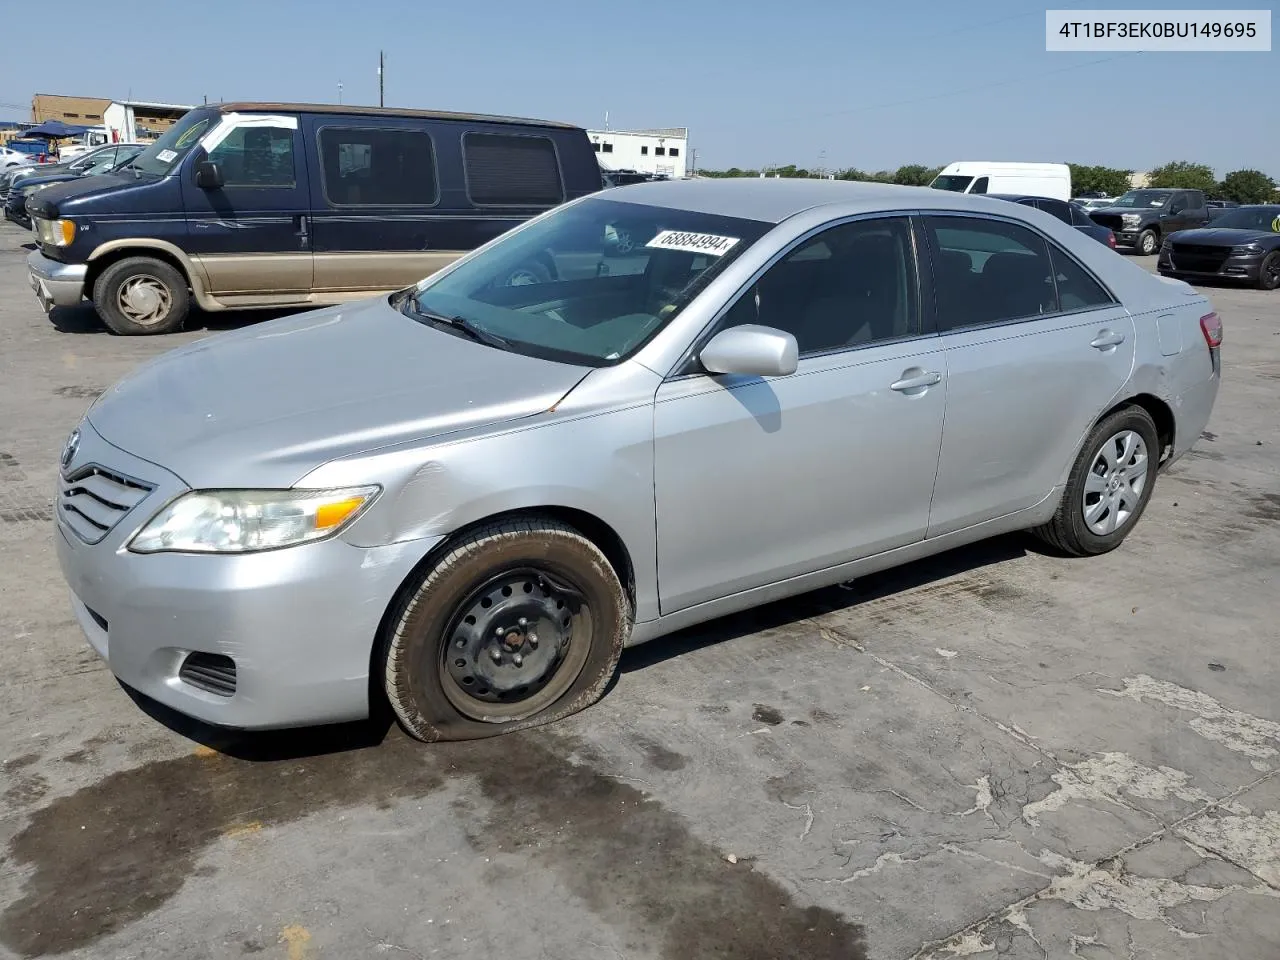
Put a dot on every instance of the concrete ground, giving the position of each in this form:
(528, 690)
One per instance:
(993, 753)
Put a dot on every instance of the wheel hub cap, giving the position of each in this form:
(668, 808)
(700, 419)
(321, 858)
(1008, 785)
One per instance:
(1115, 482)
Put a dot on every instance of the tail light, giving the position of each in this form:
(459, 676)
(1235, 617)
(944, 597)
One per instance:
(1111, 239)
(1211, 327)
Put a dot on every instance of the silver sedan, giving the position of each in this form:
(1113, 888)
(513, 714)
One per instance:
(467, 498)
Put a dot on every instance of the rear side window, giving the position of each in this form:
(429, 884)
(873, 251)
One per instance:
(1057, 208)
(505, 170)
(1077, 290)
(988, 271)
(979, 185)
(372, 167)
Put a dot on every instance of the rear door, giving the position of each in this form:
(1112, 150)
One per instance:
(251, 236)
(1036, 348)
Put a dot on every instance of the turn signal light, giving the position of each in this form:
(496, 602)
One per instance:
(67, 232)
(1211, 327)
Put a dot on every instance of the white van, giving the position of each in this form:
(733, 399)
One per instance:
(1027, 179)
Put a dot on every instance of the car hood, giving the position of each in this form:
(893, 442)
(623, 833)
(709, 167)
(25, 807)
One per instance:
(264, 406)
(52, 200)
(1222, 236)
(1122, 210)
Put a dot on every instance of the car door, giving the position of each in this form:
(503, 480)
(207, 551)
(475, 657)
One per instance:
(251, 236)
(1036, 348)
(758, 480)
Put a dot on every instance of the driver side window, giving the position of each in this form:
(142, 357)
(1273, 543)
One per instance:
(256, 157)
(850, 286)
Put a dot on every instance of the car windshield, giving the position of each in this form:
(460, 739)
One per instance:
(589, 284)
(1143, 198)
(1250, 218)
(952, 183)
(162, 157)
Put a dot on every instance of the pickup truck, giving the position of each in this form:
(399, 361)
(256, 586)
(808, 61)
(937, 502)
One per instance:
(1141, 218)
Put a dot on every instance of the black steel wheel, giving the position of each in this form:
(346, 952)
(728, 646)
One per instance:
(521, 623)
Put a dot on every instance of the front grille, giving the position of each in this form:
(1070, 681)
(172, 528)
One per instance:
(211, 672)
(1198, 257)
(1111, 220)
(93, 500)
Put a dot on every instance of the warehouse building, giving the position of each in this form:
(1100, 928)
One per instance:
(151, 119)
(662, 151)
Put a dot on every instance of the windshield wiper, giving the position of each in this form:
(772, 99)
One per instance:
(479, 334)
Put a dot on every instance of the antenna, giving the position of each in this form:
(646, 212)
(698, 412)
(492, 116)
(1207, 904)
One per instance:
(339, 91)
(381, 79)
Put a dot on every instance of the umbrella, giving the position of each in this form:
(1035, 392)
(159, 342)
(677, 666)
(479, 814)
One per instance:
(54, 129)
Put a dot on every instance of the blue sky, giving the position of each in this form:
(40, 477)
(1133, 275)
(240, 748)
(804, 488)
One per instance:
(824, 82)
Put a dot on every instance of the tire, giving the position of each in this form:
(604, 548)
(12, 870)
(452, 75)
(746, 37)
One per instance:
(142, 295)
(1148, 242)
(1269, 271)
(534, 568)
(1076, 529)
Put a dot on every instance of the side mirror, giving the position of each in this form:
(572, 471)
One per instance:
(209, 175)
(751, 350)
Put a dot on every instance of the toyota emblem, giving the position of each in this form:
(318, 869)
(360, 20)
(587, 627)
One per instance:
(70, 450)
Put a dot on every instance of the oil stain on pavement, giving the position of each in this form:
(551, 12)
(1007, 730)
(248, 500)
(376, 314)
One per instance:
(118, 849)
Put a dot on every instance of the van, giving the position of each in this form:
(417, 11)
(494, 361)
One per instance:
(1052, 180)
(250, 205)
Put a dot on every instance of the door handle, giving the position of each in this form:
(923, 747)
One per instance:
(927, 379)
(1107, 339)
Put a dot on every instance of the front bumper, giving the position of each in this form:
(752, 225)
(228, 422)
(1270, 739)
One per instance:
(56, 284)
(299, 623)
(1243, 266)
(17, 215)
(1127, 239)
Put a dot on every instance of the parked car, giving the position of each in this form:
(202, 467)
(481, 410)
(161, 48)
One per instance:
(1070, 213)
(1141, 218)
(274, 205)
(1241, 244)
(472, 496)
(11, 159)
(1094, 203)
(75, 165)
(983, 176)
(21, 192)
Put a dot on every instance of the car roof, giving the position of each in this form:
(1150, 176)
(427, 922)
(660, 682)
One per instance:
(772, 200)
(352, 111)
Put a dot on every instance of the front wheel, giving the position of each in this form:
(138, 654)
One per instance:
(1109, 486)
(1148, 241)
(141, 295)
(1269, 272)
(521, 623)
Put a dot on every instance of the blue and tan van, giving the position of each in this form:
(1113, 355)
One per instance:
(245, 205)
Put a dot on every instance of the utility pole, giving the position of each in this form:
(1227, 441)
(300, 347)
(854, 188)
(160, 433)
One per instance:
(339, 91)
(381, 79)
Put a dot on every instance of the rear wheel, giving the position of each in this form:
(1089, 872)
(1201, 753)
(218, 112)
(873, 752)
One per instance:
(141, 295)
(1269, 271)
(1148, 242)
(1109, 486)
(520, 624)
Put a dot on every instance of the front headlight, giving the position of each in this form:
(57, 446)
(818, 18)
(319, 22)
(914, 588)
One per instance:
(56, 233)
(1131, 219)
(245, 521)
(1254, 247)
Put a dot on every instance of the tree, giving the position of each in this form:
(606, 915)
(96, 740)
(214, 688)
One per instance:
(915, 175)
(1248, 186)
(1183, 175)
(1108, 180)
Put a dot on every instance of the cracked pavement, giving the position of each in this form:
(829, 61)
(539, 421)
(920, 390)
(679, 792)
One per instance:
(994, 753)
